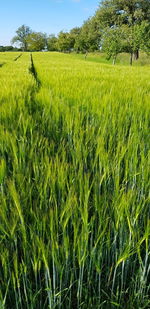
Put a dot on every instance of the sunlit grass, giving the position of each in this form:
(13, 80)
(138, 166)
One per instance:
(74, 184)
(123, 58)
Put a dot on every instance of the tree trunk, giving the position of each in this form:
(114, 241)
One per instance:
(131, 58)
(114, 60)
(85, 55)
(136, 55)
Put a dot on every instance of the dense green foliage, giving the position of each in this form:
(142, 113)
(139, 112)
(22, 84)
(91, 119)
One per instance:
(129, 21)
(36, 41)
(74, 183)
(8, 48)
(21, 37)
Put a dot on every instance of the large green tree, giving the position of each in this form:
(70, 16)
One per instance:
(21, 37)
(73, 37)
(63, 42)
(52, 42)
(131, 13)
(36, 41)
(89, 36)
(118, 12)
(145, 37)
(113, 41)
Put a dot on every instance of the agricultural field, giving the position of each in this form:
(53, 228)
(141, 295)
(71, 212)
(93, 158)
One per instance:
(74, 182)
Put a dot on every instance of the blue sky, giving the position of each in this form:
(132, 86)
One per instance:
(50, 16)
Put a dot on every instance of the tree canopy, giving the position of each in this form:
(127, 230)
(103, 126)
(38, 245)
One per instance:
(36, 41)
(128, 17)
(21, 37)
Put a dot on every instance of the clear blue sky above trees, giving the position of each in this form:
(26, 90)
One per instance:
(49, 16)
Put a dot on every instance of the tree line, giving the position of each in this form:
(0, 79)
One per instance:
(9, 48)
(117, 26)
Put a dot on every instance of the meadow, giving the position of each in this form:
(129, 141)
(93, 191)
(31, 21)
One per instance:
(74, 182)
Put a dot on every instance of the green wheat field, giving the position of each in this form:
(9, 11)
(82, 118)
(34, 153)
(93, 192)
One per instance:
(74, 182)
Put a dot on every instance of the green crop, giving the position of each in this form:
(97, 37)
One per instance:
(74, 183)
